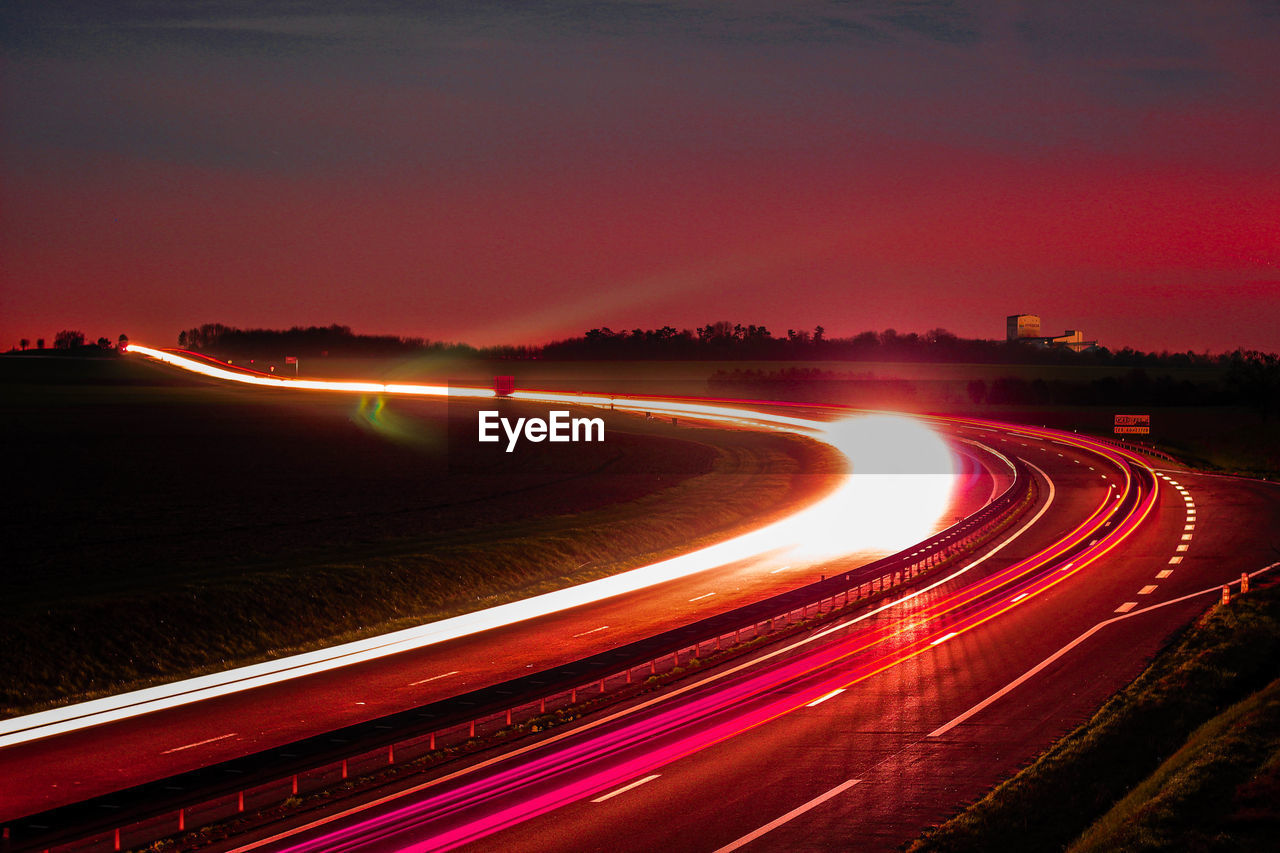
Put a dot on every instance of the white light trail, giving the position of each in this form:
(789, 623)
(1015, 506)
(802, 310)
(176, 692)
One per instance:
(900, 503)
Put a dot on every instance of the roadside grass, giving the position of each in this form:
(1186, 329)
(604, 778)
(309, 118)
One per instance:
(1216, 792)
(164, 531)
(1224, 658)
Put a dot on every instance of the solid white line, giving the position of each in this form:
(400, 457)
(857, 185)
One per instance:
(1035, 670)
(666, 697)
(943, 638)
(699, 598)
(200, 743)
(789, 816)
(625, 788)
(434, 677)
(1126, 607)
(833, 694)
(592, 631)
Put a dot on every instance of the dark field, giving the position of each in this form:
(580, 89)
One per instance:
(159, 526)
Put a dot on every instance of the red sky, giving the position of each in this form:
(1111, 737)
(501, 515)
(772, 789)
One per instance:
(515, 172)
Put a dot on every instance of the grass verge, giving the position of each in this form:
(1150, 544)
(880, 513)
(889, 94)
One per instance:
(1165, 723)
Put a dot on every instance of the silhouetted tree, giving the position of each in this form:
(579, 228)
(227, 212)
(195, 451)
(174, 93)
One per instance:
(24, 343)
(68, 339)
(39, 343)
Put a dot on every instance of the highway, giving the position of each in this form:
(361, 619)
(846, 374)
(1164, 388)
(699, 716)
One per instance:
(864, 732)
(834, 749)
(70, 754)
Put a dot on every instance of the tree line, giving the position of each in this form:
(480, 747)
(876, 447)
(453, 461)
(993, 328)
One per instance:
(715, 341)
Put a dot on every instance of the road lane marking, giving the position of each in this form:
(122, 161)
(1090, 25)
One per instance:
(1019, 598)
(1186, 536)
(1189, 527)
(200, 743)
(435, 677)
(1163, 573)
(625, 788)
(783, 569)
(1148, 589)
(833, 694)
(667, 697)
(943, 638)
(592, 631)
(1049, 661)
(1068, 565)
(789, 816)
(700, 597)
(1173, 561)
(1183, 547)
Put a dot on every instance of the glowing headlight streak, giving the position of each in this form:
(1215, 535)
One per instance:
(816, 527)
(583, 768)
(565, 774)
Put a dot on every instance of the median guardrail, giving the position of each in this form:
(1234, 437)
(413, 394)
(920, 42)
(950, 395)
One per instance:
(147, 813)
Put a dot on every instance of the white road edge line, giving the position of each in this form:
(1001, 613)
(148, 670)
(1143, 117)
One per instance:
(833, 694)
(625, 788)
(200, 743)
(1035, 670)
(789, 816)
(435, 677)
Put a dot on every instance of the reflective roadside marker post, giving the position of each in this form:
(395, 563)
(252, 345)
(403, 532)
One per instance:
(1226, 595)
(1244, 583)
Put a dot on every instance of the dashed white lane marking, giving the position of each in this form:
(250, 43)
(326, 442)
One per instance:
(199, 743)
(1173, 561)
(1183, 547)
(1147, 590)
(1126, 607)
(791, 815)
(1187, 536)
(833, 694)
(704, 595)
(943, 638)
(625, 788)
(592, 631)
(434, 677)
(1019, 598)
(1163, 573)
(1189, 527)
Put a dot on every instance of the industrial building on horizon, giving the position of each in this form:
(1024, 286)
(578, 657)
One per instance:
(1026, 328)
